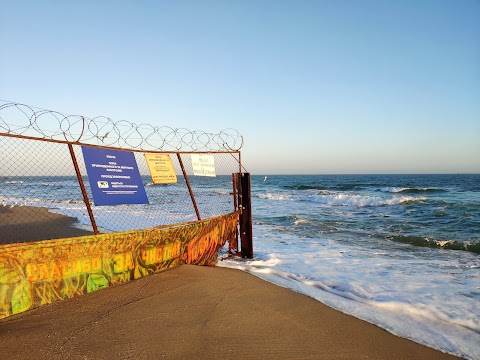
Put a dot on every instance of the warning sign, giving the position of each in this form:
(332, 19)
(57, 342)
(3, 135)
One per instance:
(203, 165)
(161, 168)
(113, 176)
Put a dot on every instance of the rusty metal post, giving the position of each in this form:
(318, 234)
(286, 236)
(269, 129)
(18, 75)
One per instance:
(233, 245)
(246, 234)
(84, 191)
(188, 185)
(234, 192)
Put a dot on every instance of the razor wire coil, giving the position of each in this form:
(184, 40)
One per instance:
(24, 120)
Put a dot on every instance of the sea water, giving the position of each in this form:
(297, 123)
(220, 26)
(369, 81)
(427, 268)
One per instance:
(399, 251)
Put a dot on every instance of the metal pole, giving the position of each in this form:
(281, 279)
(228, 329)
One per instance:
(188, 185)
(246, 234)
(239, 163)
(84, 191)
(235, 191)
(233, 245)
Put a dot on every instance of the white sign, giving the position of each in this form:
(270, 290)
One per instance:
(203, 165)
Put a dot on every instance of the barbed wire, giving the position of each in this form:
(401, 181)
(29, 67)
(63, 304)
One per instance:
(24, 120)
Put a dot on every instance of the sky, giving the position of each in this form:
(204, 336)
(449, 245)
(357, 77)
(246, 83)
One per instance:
(314, 87)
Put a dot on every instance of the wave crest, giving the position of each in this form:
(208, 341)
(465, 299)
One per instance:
(411, 190)
(277, 197)
(471, 246)
(365, 201)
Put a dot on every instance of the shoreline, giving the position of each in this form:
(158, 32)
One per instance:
(203, 313)
(186, 312)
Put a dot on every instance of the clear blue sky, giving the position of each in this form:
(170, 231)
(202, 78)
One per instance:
(313, 86)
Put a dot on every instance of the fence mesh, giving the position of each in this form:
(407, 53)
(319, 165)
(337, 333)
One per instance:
(41, 198)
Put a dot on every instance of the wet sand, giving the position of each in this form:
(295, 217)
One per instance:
(188, 312)
(27, 223)
(193, 312)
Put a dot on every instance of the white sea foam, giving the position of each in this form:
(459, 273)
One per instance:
(301, 221)
(73, 183)
(57, 183)
(443, 242)
(345, 199)
(278, 197)
(392, 189)
(381, 288)
(34, 201)
(402, 189)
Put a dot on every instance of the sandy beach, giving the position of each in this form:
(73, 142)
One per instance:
(188, 312)
(27, 223)
(193, 312)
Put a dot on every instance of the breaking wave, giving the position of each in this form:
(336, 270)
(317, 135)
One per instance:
(411, 190)
(365, 201)
(331, 188)
(277, 197)
(472, 246)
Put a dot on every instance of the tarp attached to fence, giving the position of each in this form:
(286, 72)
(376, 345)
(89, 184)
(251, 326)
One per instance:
(38, 273)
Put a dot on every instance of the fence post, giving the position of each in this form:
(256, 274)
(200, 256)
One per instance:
(246, 234)
(84, 192)
(185, 176)
(233, 244)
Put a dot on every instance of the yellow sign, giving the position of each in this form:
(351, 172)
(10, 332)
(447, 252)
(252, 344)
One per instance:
(161, 168)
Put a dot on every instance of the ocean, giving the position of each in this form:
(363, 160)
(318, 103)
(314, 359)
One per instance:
(399, 251)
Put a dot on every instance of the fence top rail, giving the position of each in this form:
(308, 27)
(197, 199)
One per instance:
(20, 120)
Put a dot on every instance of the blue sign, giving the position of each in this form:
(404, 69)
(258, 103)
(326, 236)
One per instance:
(114, 177)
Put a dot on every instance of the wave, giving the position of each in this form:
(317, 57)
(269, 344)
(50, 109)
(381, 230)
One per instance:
(283, 220)
(298, 220)
(350, 187)
(351, 292)
(325, 188)
(411, 190)
(278, 197)
(298, 226)
(270, 269)
(55, 201)
(365, 201)
(58, 184)
(15, 201)
(471, 246)
(344, 199)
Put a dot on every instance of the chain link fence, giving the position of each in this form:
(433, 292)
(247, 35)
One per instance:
(40, 192)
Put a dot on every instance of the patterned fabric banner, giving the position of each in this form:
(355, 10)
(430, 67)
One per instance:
(38, 273)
